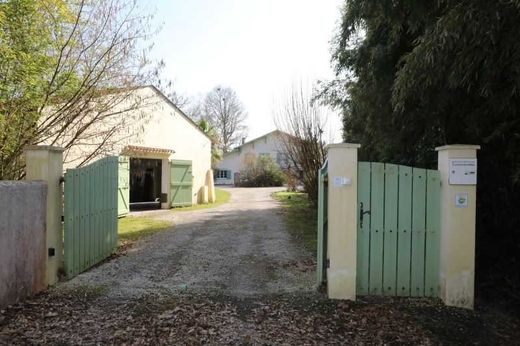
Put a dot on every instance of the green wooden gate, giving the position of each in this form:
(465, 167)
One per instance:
(398, 230)
(181, 183)
(321, 269)
(90, 220)
(123, 195)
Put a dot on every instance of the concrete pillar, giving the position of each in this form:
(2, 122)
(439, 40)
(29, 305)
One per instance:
(203, 195)
(46, 163)
(342, 220)
(457, 166)
(212, 198)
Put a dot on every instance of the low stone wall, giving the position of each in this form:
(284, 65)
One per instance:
(22, 239)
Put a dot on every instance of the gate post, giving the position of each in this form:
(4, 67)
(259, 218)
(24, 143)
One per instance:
(342, 220)
(458, 168)
(46, 163)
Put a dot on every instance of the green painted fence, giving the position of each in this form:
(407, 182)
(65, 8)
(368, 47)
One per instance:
(181, 183)
(321, 269)
(398, 230)
(91, 210)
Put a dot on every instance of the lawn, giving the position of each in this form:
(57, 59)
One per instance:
(131, 229)
(301, 217)
(222, 198)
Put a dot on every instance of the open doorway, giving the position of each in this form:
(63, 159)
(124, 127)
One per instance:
(145, 183)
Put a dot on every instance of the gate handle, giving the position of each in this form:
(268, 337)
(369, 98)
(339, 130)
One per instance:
(361, 213)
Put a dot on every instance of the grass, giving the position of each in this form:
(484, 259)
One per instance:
(301, 217)
(222, 198)
(131, 229)
(134, 228)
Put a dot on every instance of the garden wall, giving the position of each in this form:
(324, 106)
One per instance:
(22, 239)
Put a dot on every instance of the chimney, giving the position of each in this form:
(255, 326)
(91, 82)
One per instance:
(243, 140)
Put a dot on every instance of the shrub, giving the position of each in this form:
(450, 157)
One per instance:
(261, 172)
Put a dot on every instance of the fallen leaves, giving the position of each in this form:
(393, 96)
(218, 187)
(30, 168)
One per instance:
(303, 319)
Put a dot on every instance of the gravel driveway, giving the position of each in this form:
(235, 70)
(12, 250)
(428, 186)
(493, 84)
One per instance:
(238, 249)
(232, 275)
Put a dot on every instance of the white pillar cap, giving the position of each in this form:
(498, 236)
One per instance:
(343, 145)
(458, 147)
(43, 147)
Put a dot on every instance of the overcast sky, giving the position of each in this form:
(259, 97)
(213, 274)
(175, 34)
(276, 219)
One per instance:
(257, 47)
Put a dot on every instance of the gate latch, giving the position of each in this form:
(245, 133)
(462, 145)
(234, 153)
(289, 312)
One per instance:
(361, 213)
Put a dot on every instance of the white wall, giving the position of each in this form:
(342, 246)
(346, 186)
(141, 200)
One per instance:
(270, 143)
(156, 124)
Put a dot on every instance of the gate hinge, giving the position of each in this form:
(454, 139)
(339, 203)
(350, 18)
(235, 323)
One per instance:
(62, 179)
(327, 263)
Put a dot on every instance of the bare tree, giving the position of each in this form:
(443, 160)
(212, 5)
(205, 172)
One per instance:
(93, 57)
(304, 145)
(226, 113)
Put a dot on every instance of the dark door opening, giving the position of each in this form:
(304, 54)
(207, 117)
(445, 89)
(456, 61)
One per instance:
(145, 184)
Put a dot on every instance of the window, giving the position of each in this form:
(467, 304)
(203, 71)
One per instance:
(222, 174)
(282, 159)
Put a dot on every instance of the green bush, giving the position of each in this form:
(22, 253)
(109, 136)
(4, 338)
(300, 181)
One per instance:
(261, 172)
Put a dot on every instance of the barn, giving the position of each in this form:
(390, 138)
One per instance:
(164, 157)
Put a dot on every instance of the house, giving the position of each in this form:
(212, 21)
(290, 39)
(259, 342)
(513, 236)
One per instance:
(165, 158)
(227, 171)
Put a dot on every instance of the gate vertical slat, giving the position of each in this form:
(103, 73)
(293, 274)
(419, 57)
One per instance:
(322, 210)
(432, 234)
(77, 223)
(90, 196)
(390, 230)
(105, 234)
(68, 220)
(84, 216)
(94, 209)
(87, 216)
(404, 235)
(81, 203)
(99, 230)
(363, 236)
(114, 202)
(418, 233)
(319, 267)
(377, 208)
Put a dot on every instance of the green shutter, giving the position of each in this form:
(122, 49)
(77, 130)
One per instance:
(123, 195)
(181, 185)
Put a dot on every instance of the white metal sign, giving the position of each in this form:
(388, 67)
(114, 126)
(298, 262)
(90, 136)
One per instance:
(463, 172)
(342, 181)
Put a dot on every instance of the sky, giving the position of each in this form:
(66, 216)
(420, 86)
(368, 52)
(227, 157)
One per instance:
(260, 48)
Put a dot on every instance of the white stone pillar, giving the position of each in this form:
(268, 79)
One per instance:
(46, 163)
(457, 166)
(342, 220)
(211, 186)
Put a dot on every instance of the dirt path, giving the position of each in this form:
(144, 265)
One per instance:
(238, 249)
(232, 275)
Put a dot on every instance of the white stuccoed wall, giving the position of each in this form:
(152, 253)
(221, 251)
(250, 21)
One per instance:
(157, 124)
(268, 144)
